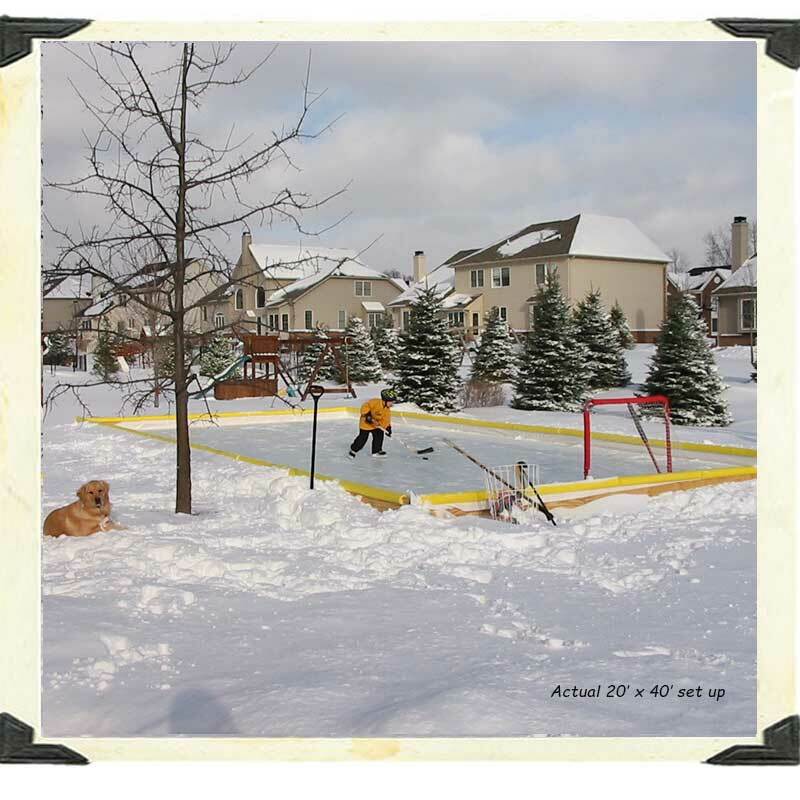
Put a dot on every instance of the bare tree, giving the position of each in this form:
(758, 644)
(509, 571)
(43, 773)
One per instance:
(678, 260)
(171, 196)
(718, 247)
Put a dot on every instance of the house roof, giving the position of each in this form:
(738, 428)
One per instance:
(590, 235)
(688, 282)
(742, 278)
(442, 279)
(458, 300)
(70, 287)
(344, 269)
(296, 261)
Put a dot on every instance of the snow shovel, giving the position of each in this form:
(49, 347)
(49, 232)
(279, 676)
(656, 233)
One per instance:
(423, 452)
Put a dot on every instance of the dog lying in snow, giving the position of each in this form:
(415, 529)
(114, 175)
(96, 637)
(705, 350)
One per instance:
(90, 513)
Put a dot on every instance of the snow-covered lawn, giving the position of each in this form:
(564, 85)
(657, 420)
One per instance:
(277, 611)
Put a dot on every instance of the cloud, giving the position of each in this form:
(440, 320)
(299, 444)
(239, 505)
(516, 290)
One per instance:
(451, 145)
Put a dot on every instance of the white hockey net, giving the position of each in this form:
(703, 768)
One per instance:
(639, 427)
(509, 490)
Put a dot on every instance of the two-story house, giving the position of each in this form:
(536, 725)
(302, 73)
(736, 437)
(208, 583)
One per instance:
(737, 306)
(586, 251)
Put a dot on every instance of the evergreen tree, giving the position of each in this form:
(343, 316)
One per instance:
(309, 359)
(359, 354)
(683, 369)
(596, 334)
(427, 360)
(105, 364)
(551, 375)
(217, 356)
(495, 357)
(620, 324)
(60, 351)
(384, 338)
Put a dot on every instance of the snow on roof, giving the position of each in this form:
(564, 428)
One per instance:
(295, 262)
(686, 282)
(613, 237)
(512, 247)
(589, 235)
(744, 277)
(71, 287)
(442, 279)
(372, 305)
(346, 269)
(456, 300)
(99, 307)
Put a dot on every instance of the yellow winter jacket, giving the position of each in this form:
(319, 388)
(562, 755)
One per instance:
(381, 415)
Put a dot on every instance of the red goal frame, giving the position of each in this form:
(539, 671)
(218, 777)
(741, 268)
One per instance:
(630, 402)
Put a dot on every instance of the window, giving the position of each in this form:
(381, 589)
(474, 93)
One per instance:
(363, 288)
(204, 312)
(219, 320)
(501, 276)
(374, 318)
(239, 299)
(272, 322)
(714, 324)
(541, 274)
(406, 319)
(531, 315)
(120, 326)
(503, 313)
(455, 319)
(86, 325)
(285, 322)
(747, 314)
(261, 297)
(342, 318)
(476, 322)
(309, 320)
(131, 323)
(476, 278)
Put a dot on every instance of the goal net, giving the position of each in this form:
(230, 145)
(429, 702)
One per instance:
(639, 423)
(509, 490)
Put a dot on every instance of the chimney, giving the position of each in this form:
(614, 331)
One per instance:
(247, 240)
(740, 242)
(420, 269)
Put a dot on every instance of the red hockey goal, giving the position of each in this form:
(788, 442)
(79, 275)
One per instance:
(642, 413)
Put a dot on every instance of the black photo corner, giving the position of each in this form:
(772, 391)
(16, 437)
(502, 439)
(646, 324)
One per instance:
(781, 741)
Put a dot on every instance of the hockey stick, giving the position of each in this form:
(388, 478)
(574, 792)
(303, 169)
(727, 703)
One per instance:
(523, 471)
(642, 435)
(423, 452)
(543, 508)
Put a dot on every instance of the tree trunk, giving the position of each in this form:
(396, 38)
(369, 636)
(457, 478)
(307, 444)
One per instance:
(183, 484)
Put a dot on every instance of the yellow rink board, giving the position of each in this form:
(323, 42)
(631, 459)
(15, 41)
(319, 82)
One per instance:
(467, 500)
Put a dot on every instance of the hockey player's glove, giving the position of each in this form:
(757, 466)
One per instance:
(368, 418)
(389, 431)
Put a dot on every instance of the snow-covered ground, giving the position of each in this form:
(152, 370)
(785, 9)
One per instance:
(275, 610)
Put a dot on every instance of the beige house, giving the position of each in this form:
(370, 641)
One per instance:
(461, 310)
(296, 287)
(63, 303)
(737, 306)
(115, 309)
(587, 252)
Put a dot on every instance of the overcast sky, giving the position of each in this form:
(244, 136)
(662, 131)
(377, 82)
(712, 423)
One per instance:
(448, 146)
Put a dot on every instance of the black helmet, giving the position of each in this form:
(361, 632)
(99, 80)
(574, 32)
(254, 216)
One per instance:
(389, 395)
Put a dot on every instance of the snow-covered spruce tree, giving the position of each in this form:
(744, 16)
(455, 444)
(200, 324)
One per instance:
(620, 324)
(384, 338)
(596, 334)
(59, 351)
(359, 354)
(683, 368)
(427, 359)
(495, 358)
(309, 359)
(105, 364)
(217, 356)
(550, 374)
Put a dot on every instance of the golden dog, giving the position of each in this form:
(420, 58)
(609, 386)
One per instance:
(90, 513)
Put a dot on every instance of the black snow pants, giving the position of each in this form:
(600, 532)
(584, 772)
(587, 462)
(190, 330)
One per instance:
(361, 440)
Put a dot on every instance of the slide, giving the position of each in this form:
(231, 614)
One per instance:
(221, 376)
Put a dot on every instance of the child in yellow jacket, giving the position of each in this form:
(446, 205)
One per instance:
(375, 419)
